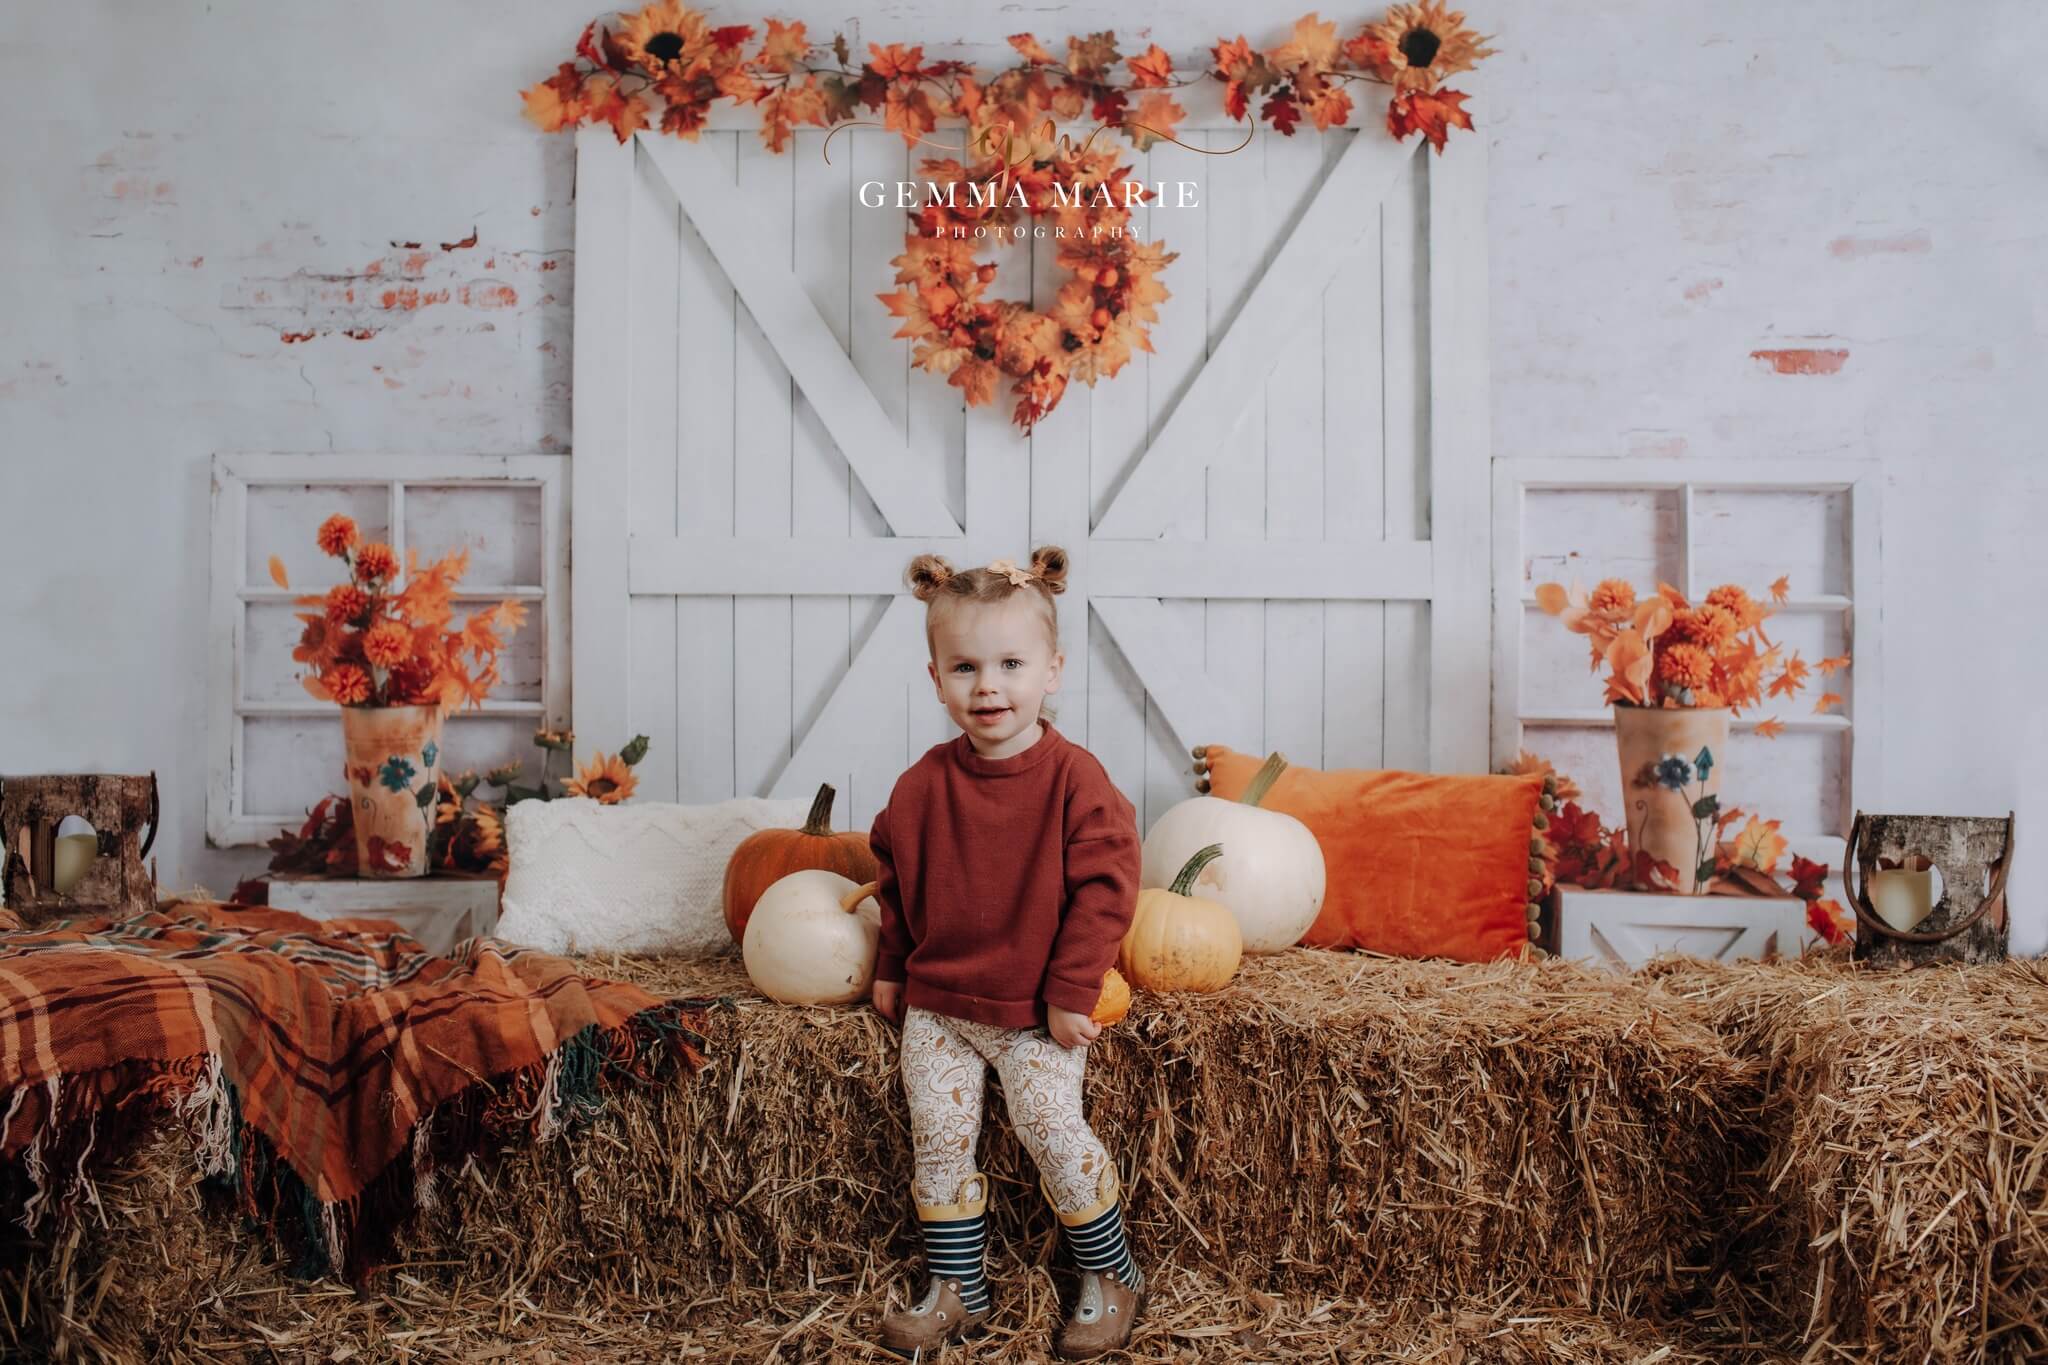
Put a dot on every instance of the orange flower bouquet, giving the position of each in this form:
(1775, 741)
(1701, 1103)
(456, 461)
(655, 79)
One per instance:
(388, 652)
(1677, 671)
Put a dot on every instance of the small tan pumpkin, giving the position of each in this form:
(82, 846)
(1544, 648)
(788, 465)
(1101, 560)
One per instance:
(1115, 1001)
(1179, 941)
(812, 939)
(767, 856)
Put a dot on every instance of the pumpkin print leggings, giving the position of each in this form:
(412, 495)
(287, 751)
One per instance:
(945, 1072)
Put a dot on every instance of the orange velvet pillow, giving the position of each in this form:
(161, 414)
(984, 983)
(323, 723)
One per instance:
(1418, 864)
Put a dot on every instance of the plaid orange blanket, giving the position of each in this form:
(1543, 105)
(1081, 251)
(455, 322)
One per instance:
(326, 1070)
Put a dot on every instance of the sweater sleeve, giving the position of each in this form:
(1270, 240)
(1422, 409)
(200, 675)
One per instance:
(1102, 860)
(894, 944)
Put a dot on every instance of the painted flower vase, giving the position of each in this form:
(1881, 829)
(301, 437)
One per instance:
(1671, 791)
(392, 755)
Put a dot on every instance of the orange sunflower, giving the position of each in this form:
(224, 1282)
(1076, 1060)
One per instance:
(1426, 44)
(607, 781)
(661, 36)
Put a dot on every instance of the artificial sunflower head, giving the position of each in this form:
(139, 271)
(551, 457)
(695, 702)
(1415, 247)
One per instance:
(661, 36)
(607, 781)
(1426, 44)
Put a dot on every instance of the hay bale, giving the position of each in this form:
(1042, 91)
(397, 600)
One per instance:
(1330, 1124)
(1340, 1156)
(1895, 1206)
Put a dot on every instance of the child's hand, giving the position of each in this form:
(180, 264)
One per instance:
(1069, 1029)
(888, 1000)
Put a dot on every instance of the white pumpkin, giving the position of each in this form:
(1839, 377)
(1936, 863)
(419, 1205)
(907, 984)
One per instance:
(812, 939)
(1271, 871)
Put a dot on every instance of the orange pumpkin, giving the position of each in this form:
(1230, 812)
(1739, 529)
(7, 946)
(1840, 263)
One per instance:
(1179, 941)
(1115, 1001)
(767, 856)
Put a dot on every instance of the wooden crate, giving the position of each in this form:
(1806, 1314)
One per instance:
(1624, 929)
(438, 911)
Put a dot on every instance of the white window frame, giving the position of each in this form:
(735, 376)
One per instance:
(228, 822)
(1859, 481)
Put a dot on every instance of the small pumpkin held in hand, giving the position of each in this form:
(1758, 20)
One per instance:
(1115, 1001)
(766, 856)
(1179, 941)
(812, 939)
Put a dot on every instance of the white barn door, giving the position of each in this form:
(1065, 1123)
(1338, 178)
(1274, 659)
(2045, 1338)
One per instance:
(1278, 522)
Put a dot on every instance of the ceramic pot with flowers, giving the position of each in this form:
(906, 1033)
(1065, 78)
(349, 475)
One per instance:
(384, 646)
(1671, 785)
(392, 755)
(1678, 671)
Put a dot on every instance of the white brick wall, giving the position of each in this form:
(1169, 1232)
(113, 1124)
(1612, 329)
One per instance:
(191, 186)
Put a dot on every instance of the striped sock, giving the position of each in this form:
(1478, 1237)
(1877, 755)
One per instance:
(1099, 1245)
(956, 1249)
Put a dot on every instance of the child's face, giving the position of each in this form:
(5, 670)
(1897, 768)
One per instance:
(993, 667)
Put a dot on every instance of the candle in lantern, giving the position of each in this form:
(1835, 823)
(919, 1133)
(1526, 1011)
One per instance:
(71, 859)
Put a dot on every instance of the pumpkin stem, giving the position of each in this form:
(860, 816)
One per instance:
(850, 902)
(1184, 880)
(1263, 780)
(820, 819)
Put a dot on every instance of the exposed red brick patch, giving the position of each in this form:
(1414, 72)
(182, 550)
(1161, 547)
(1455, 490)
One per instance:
(360, 333)
(549, 265)
(289, 337)
(1802, 361)
(415, 264)
(1702, 289)
(1908, 244)
(462, 245)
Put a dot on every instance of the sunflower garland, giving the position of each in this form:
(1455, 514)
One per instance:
(1023, 174)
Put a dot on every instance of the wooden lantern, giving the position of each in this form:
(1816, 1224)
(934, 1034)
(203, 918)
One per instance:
(112, 878)
(1964, 920)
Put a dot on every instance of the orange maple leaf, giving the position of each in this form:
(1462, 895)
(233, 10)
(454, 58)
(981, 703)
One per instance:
(1781, 589)
(1826, 700)
(1029, 46)
(1829, 920)
(1234, 58)
(1313, 46)
(277, 574)
(1759, 845)
(1155, 120)
(1329, 104)
(1792, 679)
(784, 46)
(909, 112)
(1432, 115)
(1828, 666)
(1770, 728)
(895, 62)
(1151, 69)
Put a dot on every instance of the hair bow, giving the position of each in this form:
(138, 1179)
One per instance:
(1008, 569)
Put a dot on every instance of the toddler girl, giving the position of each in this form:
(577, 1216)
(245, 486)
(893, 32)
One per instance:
(1008, 875)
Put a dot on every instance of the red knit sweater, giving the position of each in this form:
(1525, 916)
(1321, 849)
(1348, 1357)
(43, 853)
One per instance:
(1006, 883)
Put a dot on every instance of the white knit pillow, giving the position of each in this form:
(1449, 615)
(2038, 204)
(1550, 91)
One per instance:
(643, 877)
